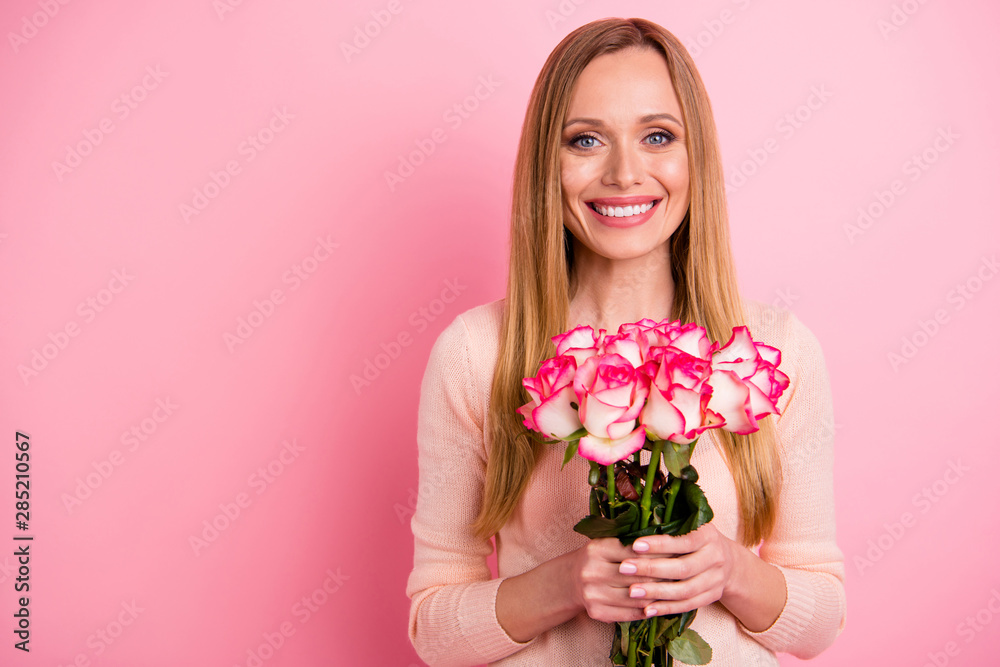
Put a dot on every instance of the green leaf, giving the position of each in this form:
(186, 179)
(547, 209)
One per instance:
(666, 623)
(571, 448)
(690, 648)
(577, 434)
(600, 526)
(624, 627)
(699, 511)
(689, 474)
(685, 620)
(676, 457)
(596, 526)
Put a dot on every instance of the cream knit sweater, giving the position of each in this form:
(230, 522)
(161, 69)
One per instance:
(452, 612)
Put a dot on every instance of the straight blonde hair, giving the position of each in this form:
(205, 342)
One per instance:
(536, 306)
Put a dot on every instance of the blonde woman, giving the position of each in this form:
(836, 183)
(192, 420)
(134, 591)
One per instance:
(619, 214)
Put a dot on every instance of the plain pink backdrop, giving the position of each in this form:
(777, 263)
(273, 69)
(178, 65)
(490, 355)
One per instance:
(228, 332)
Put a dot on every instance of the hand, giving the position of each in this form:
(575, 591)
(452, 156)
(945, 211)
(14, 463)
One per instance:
(682, 573)
(599, 587)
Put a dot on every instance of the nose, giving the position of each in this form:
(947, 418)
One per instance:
(624, 167)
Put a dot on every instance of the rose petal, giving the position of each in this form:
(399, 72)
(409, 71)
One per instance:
(556, 416)
(731, 399)
(607, 451)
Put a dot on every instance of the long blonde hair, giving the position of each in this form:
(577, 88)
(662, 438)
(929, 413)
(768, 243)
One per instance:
(537, 301)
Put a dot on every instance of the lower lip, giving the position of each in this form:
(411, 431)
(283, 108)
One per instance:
(627, 221)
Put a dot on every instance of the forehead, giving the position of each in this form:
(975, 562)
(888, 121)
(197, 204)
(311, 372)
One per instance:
(624, 85)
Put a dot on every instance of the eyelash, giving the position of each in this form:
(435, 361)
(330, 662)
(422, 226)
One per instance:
(668, 138)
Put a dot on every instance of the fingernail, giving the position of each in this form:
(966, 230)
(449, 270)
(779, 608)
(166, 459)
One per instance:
(637, 593)
(627, 568)
(650, 612)
(640, 546)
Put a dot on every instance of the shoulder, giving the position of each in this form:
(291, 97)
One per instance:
(463, 357)
(473, 333)
(780, 328)
(801, 353)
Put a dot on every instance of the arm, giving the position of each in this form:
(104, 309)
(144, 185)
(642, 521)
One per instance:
(452, 611)
(803, 545)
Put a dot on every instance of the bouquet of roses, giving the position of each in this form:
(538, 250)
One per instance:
(654, 386)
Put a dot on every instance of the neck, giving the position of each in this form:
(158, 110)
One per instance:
(606, 293)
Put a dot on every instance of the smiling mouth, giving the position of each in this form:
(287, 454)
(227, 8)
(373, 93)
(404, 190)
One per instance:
(623, 211)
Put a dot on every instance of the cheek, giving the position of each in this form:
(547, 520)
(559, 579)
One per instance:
(575, 175)
(675, 173)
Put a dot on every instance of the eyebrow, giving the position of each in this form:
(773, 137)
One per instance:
(645, 119)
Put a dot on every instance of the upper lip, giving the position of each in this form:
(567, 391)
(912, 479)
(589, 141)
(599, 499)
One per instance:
(623, 201)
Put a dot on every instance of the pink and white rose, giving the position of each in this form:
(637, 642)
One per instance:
(746, 383)
(679, 393)
(552, 410)
(689, 338)
(580, 343)
(611, 393)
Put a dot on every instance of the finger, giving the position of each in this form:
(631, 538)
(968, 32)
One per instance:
(610, 549)
(687, 589)
(661, 608)
(674, 568)
(672, 544)
(610, 614)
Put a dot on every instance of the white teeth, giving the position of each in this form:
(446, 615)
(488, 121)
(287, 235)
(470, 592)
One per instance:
(623, 212)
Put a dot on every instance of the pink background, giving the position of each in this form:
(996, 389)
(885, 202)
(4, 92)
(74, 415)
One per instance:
(383, 268)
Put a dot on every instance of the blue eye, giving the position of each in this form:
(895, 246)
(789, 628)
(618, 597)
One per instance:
(664, 138)
(580, 139)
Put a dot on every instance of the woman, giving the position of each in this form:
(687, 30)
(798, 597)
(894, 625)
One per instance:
(618, 214)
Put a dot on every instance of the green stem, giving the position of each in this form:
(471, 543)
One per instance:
(611, 491)
(647, 489)
(633, 647)
(651, 641)
(675, 486)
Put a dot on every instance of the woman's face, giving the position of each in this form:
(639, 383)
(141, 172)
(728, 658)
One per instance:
(623, 158)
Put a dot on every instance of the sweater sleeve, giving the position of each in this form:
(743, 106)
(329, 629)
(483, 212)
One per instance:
(452, 617)
(803, 544)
